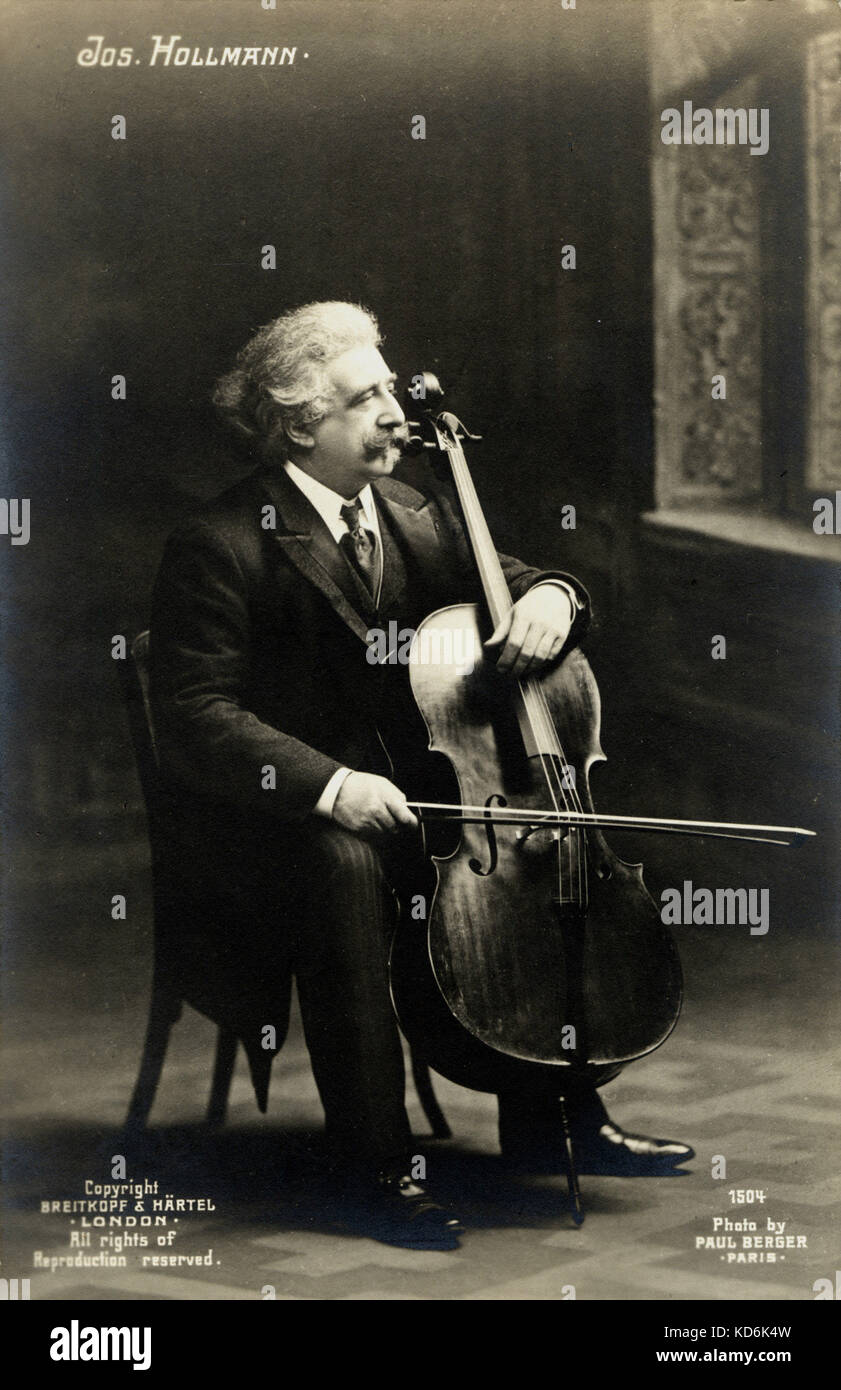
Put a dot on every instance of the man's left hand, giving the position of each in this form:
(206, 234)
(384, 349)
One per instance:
(533, 632)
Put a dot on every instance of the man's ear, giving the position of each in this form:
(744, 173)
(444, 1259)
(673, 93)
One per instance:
(300, 437)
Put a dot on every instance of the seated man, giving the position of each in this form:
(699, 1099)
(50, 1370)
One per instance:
(279, 737)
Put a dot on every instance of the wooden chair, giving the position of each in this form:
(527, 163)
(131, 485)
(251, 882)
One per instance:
(168, 998)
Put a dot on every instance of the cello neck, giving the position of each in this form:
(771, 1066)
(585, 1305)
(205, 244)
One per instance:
(537, 730)
(496, 591)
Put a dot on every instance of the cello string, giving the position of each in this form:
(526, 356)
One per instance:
(569, 778)
(549, 770)
(565, 781)
(476, 526)
(536, 709)
(537, 726)
(550, 773)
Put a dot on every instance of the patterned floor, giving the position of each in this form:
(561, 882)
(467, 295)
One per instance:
(746, 1076)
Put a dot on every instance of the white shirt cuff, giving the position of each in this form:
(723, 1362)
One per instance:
(577, 605)
(325, 803)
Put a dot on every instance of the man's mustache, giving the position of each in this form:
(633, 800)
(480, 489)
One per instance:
(398, 438)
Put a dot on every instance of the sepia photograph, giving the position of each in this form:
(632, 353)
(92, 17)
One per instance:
(420, 659)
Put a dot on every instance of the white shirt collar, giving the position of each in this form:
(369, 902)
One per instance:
(329, 504)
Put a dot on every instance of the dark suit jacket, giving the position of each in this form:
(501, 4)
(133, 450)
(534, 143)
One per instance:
(258, 638)
(258, 658)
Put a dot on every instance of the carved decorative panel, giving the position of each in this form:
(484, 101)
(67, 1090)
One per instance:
(707, 317)
(824, 260)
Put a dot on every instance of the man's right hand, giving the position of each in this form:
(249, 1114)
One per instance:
(369, 803)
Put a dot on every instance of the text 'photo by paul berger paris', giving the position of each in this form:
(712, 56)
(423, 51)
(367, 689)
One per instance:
(422, 575)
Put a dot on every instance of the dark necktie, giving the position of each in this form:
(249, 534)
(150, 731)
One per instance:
(360, 546)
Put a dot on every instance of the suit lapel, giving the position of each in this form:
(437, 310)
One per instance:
(308, 545)
(394, 576)
(414, 527)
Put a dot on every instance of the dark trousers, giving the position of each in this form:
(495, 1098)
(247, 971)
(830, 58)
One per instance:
(349, 1022)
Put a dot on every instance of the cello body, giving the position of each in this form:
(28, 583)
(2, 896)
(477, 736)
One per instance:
(542, 963)
(542, 952)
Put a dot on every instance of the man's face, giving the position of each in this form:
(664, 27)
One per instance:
(355, 442)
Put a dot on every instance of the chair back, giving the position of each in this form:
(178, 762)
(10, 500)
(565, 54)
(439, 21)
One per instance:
(135, 682)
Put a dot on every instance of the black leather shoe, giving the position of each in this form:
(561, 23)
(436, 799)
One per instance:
(611, 1150)
(398, 1210)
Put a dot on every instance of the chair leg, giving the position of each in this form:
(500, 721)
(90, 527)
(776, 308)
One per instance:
(223, 1070)
(164, 1011)
(429, 1100)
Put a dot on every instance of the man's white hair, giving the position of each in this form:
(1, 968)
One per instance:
(280, 382)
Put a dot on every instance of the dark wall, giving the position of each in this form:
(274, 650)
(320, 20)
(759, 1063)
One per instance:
(143, 257)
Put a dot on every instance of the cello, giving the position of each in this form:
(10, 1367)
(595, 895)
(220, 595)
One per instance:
(542, 960)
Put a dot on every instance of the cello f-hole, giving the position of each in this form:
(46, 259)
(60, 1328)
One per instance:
(475, 864)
